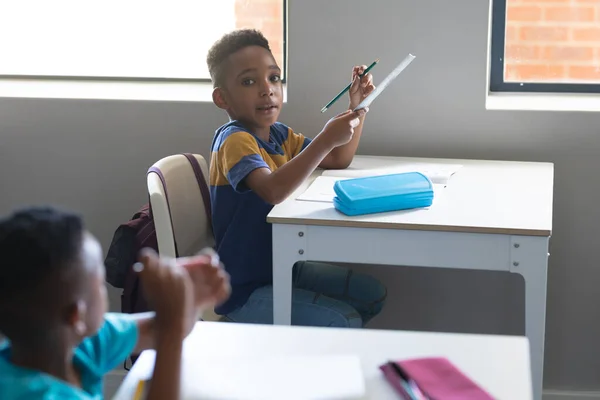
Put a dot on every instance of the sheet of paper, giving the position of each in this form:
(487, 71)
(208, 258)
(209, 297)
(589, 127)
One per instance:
(438, 173)
(318, 377)
(321, 190)
(385, 83)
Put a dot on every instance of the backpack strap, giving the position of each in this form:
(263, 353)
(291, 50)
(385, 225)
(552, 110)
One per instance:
(202, 185)
(164, 184)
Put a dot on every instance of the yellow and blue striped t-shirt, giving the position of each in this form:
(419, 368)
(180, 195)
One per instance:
(243, 236)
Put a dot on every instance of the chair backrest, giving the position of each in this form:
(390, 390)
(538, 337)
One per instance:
(181, 220)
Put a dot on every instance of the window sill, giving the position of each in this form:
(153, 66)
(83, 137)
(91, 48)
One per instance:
(542, 102)
(109, 90)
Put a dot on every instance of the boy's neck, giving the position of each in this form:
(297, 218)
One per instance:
(262, 133)
(55, 359)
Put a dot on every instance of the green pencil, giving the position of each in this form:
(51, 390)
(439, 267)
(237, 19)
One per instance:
(336, 98)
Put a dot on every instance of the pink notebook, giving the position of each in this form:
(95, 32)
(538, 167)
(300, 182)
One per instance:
(432, 378)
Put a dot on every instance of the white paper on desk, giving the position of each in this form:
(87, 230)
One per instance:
(321, 190)
(318, 377)
(438, 173)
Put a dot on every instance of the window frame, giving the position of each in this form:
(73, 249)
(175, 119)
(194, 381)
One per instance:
(496, 54)
(146, 79)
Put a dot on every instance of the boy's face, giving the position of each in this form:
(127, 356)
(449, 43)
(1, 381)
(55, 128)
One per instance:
(252, 92)
(79, 305)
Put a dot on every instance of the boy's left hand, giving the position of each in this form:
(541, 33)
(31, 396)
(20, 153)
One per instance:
(361, 87)
(210, 281)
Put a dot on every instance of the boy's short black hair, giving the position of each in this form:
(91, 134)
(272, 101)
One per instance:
(229, 44)
(37, 245)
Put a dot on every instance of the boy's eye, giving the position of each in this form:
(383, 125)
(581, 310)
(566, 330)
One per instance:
(275, 78)
(247, 82)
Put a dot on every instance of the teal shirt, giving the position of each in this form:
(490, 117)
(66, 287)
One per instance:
(94, 357)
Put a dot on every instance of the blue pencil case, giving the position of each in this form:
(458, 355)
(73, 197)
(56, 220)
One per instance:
(382, 193)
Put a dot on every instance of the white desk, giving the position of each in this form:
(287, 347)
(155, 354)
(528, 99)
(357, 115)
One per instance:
(493, 215)
(500, 364)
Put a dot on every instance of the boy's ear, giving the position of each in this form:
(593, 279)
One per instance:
(77, 317)
(219, 99)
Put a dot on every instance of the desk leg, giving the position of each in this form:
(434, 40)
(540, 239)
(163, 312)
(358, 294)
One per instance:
(289, 246)
(529, 257)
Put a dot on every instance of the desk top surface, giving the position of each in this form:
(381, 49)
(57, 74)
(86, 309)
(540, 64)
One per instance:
(498, 197)
(500, 364)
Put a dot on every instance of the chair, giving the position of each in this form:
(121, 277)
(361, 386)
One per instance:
(178, 209)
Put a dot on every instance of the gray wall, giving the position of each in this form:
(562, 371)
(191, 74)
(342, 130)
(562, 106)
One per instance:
(92, 156)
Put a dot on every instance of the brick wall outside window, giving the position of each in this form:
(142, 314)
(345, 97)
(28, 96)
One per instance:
(552, 41)
(266, 16)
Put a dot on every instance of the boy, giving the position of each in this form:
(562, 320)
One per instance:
(53, 302)
(257, 162)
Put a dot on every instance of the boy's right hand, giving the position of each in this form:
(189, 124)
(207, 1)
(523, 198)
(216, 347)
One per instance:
(339, 130)
(210, 281)
(169, 291)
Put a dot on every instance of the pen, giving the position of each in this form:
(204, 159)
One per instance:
(408, 384)
(336, 98)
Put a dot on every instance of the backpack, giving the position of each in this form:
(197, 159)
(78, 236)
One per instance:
(134, 235)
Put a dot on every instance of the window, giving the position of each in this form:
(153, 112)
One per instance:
(127, 40)
(550, 46)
